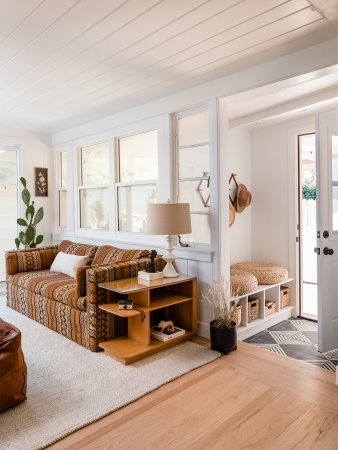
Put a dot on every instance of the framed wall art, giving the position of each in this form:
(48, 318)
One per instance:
(41, 182)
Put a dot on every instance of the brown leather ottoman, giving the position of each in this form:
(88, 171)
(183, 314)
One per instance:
(13, 371)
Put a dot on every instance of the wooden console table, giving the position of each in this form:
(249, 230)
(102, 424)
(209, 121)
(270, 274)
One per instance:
(176, 298)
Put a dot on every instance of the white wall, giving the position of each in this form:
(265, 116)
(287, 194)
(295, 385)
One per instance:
(240, 164)
(34, 150)
(274, 165)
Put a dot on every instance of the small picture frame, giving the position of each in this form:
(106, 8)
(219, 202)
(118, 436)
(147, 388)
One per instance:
(41, 182)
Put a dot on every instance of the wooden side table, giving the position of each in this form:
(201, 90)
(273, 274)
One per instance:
(173, 298)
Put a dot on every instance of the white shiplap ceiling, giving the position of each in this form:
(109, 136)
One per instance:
(63, 62)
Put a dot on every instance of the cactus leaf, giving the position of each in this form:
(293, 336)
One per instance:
(22, 222)
(22, 237)
(26, 196)
(17, 243)
(38, 216)
(30, 213)
(39, 239)
(30, 234)
(23, 182)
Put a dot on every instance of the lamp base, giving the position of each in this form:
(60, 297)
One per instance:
(169, 270)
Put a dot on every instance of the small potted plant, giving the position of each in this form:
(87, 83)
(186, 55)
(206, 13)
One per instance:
(223, 331)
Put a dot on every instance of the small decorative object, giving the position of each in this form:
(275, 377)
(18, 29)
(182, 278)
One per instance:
(203, 189)
(243, 198)
(41, 182)
(169, 219)
(125, 304)
(223, 332)
(166, 331)
(233, 186)
(164, 325)
(28, 238)
(151, 267)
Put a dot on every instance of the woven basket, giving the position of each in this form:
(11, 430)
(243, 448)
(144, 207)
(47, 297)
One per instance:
(237, 315)
(270, 307)
(253, 309)
(242, 282)
(284, 296)
(266, 273)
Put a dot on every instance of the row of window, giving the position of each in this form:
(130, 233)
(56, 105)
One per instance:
(136, 179)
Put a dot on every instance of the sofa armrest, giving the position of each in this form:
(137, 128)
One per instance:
(30, 259)
(80, 278)
(117, 271)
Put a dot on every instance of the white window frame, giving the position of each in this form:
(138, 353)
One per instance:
(182, 115)
(120, 183)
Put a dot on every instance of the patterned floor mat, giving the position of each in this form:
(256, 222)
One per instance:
(296, 338)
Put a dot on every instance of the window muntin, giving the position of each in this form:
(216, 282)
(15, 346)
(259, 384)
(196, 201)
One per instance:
(193, 161)
(62, 188)
(137, 184)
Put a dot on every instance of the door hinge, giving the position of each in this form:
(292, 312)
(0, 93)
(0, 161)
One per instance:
(297, 239)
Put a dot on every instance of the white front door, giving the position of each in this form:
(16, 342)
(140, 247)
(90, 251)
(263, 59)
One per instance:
(327, 229)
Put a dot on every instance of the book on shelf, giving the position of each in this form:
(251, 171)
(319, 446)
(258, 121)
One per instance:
(166, 335)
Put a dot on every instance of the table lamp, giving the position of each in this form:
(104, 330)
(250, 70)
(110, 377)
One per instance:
(169, 219)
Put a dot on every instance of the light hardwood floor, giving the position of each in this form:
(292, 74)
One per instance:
(250, 399)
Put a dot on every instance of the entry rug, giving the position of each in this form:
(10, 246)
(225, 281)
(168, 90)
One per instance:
(298, 339)
(70, 387)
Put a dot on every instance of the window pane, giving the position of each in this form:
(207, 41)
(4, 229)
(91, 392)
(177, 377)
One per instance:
(94, 206)
(197, 193)
(201, 229)
(334, 158)
(193, 129)
(95, 164)
(63, 169)
(62, 208)
(335, 208)
(138, 157)
(193, 162)
(133, 204)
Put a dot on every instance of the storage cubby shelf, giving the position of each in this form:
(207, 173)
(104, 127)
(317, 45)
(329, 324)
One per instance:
(263, 293)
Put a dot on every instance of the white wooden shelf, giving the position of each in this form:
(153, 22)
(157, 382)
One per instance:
(269, 292)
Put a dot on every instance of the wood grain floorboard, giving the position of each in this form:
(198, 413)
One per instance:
(250, 399)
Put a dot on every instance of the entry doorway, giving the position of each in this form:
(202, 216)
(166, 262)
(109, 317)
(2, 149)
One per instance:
(8, 203)
(307, 225)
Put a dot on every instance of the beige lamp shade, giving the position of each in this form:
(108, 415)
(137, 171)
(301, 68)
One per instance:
(169, 218)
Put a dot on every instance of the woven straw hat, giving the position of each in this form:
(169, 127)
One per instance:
(243, 199)
(232, 213)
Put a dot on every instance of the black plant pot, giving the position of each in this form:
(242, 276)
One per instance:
(223, 339)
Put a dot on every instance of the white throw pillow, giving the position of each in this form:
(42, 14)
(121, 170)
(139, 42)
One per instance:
(67, 263)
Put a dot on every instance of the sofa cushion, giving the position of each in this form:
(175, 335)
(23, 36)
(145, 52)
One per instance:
(78, 249)
(67, 263)
(106, 254)
(55, 286)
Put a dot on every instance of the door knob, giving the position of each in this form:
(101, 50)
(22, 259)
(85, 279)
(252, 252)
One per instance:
(328, 251)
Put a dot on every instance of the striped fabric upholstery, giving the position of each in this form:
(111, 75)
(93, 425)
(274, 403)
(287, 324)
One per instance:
(106, 254)
(64, 304)
(30, 259)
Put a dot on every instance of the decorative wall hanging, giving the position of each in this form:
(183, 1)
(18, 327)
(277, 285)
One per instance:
(203, 189)
(233, 186)
(41, 182)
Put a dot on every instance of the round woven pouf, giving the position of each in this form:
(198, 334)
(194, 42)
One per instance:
(242, 282)
(266, 273)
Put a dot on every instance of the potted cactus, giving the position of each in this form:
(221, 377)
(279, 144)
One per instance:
(28, 237)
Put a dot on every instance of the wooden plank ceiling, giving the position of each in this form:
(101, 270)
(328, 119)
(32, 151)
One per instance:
(67, 61)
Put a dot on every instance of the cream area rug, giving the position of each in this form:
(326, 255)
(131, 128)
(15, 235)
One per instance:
(70, 387)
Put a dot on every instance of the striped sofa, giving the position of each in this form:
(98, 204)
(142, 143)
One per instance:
(67, 305)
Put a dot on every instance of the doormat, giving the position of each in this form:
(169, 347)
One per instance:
(298, 339)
